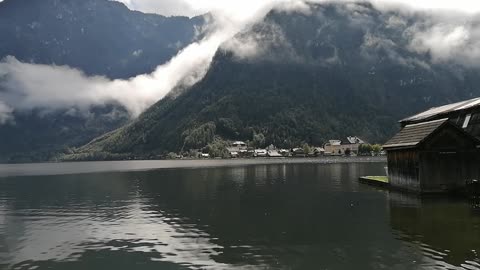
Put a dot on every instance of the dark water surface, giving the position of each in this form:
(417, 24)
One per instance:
(267, 216)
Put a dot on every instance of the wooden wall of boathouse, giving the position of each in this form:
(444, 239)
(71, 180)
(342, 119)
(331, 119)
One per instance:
(448, 171)
(447, 160)
(444, 162)
(403, 169)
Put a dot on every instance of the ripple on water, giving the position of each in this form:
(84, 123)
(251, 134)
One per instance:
(281, 216)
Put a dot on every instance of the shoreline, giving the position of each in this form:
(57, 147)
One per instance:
(86, 167)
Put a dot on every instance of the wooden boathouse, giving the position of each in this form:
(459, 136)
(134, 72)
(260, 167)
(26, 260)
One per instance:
(436, 151)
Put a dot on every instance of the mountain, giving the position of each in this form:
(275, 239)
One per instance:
(99, 37)
(336, 71)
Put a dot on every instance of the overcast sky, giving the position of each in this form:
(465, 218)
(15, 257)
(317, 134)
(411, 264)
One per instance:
(195, 7)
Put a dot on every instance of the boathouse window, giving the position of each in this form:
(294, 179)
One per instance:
(467, 120)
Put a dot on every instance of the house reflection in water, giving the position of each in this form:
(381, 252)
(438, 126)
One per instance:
(446, 229)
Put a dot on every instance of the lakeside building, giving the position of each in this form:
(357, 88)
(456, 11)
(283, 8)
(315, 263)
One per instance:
(238, 149)
(437, 150)
(318, 151)
(298, 152)
(338, 147)
(240, 145)
(261, 153)
(284, 152)
(273, 152)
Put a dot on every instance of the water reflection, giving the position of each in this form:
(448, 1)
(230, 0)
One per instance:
(285, 216)
(106, 214)
(445, 231)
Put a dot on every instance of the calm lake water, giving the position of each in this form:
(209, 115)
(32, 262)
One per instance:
(267, 216)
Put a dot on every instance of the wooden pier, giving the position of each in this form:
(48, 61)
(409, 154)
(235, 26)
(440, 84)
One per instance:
(379, 181)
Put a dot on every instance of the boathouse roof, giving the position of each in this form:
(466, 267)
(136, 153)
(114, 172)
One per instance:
(413, 135)
(443, 110)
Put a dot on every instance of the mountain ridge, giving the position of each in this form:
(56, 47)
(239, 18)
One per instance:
(342, 70)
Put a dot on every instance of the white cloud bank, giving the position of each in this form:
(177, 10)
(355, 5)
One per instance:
(457, 41)
(28, 86)
(5, 113)
(196, 7)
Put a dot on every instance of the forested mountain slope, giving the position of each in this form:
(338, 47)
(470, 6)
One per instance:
(296, 78)
(98, 37)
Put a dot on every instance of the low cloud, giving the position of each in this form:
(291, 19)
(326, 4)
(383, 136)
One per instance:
(447, 6)
(5, 113)
(196, 7)
(258, 44)
(448, 31)
(454, 41)
(27, 86)
(164, 7)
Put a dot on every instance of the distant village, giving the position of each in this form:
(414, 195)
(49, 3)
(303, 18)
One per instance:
(436, 151)
(351, 146)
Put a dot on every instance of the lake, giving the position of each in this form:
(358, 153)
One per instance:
(301, 214)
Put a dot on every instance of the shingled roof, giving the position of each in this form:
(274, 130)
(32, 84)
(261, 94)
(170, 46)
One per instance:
(413, 135)
(443, 110)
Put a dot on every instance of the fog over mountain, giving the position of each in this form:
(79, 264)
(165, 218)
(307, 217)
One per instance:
(57, 56)
(195, 7)
(91, 50)
(305, 75)
(453, 36)
(433, 33)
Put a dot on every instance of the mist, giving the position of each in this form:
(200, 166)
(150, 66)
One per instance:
(5, 113)
(49, 87)
(26, 86)
(454, 40)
